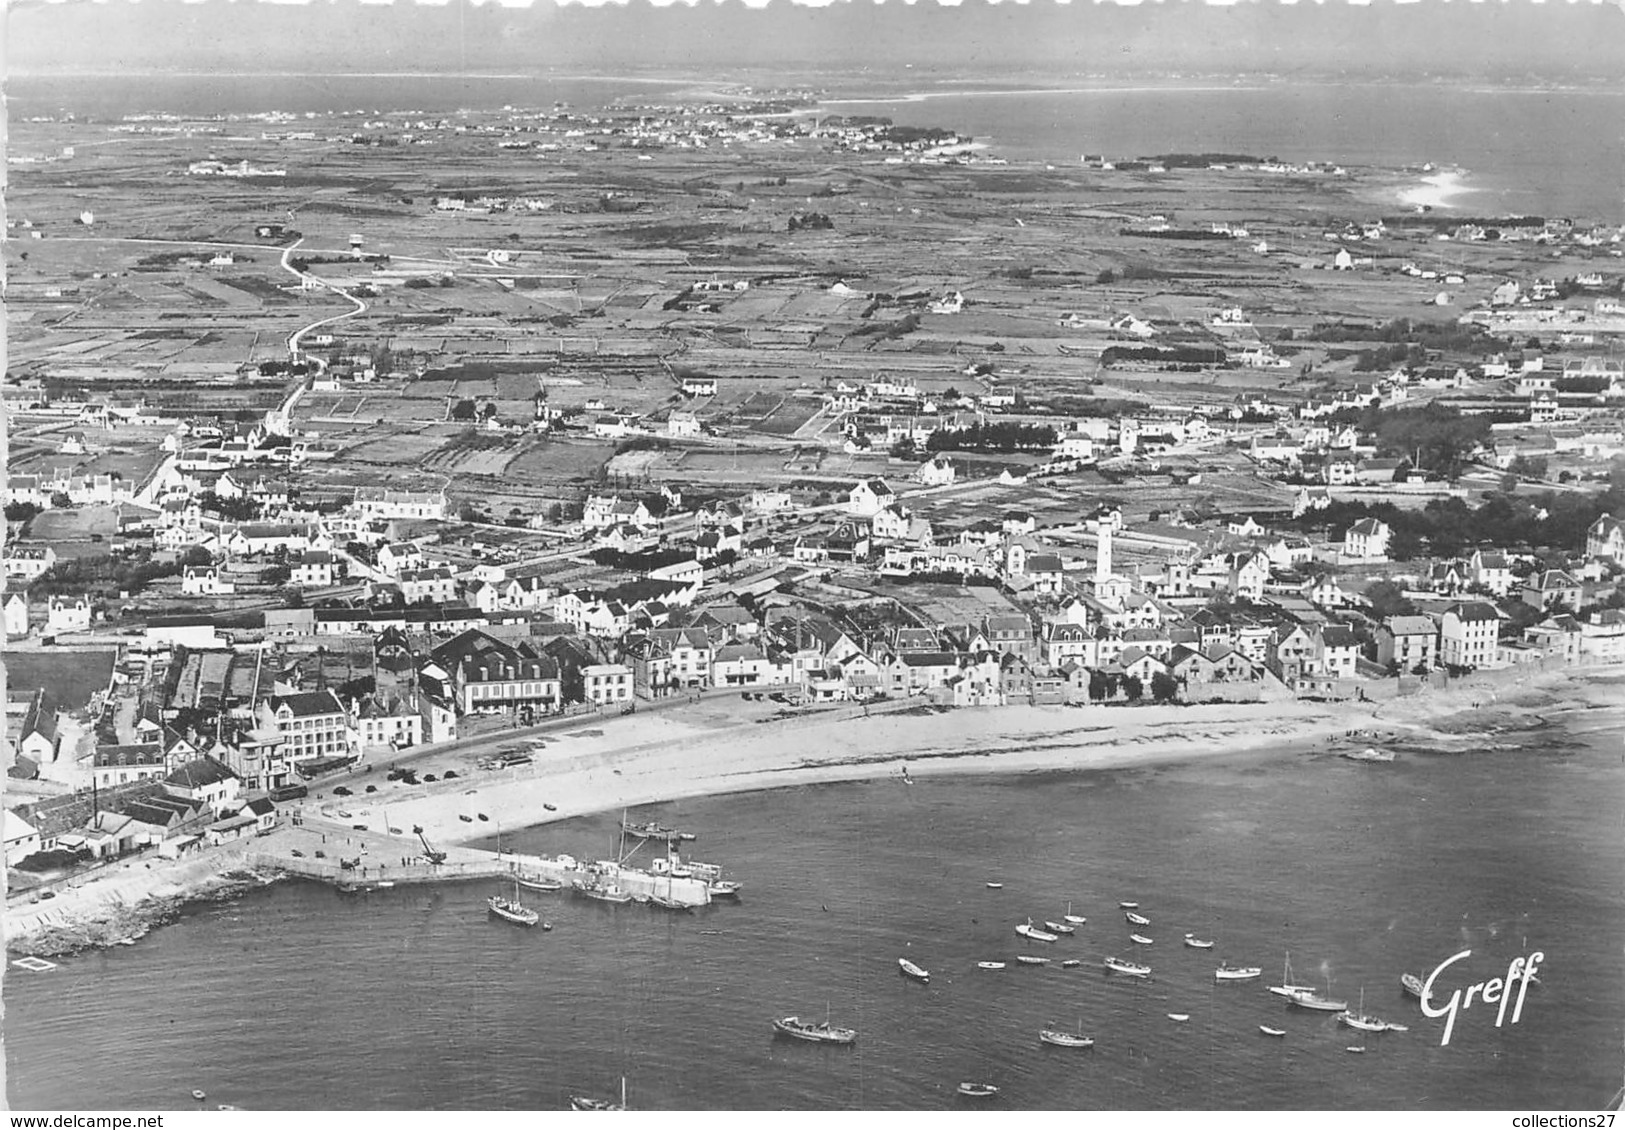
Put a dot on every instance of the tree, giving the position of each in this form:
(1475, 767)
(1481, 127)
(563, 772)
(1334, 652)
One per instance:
(276, 575)
(463, 410)
(1388, 599)
(21, 511)
(903, 448)
(1106, 277)
(196, 557)
(1100, 686)
(60, 500)
(1133, 688)
(1163, 686)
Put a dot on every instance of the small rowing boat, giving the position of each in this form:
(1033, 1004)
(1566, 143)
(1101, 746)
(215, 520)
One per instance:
(1137, 919)
(1197, 943)
(1181, 1017)
(1140, 939)
(1412, 984)
(546, 885)
(990, 965)
(995, 886)
(197, 1093)
(1025, 960)
(1071, 963)
(978, 1090)
(1129, 905)
(1075, 919)
(911, 970)
(1059, 927)
(1359, 1049)
(1268, 1031)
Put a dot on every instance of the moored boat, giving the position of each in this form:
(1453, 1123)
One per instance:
(512, 911)
(1312, 1000)
(1028, 930)
(1067, 1039)
(579, 1102)
(1197, 943)
(605, 893)
(1412, 984)
(1286, 988)
(1025, 959)
(725, 889)
(990, 965)
(1129, 905)
(198, 1094)
(1140, 939)
(978, 1090)
(1268, 1031)
(816, 1032)
(1356, 1050)
(1118, 965)
(1071, 963)
(995, 886)
(1059, 927)
(1075, 919)
(911, 970)
(545, 885)
(1137, 919)
(1237, 973)
(1181, 1017)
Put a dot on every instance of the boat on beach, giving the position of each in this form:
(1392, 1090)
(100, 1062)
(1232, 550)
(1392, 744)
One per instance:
(1129, 968)
(1028, 930)
(911, 970)
(1140, 939)
(1137, 919)
(816, 1032)
(1237, 973)
(1197, 943)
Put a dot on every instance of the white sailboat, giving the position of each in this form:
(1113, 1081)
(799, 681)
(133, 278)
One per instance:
(1287, 988)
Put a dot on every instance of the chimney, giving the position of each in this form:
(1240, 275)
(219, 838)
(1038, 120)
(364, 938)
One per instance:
(1103, 556)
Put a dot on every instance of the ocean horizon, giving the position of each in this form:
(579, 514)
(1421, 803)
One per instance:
(1515, 146)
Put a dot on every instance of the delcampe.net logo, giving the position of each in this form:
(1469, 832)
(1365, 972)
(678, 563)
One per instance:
(1497, 991)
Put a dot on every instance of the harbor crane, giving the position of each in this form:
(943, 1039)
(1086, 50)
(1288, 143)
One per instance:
(435, 857)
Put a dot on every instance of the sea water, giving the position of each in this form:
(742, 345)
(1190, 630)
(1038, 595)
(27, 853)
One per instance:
(296, 996)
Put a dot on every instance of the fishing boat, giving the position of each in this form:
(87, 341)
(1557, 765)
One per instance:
(816, 1032)
(578, 1102)
(1412, 984)
(724, 889)
(1140, 939)
(995, 886)
(1361, 1022)
(1028, 930)
(1026, 960)
(1075, 919)
(1181, 1017)
(1071, 963)
(1286, 988)
(978, 1090)
(511, 911)
(1067, 1039)
(1137, 919)
(1059, 927)
(544, 885)
(990, 965)
(653, 831)
(911, 970)
(1312, 1000)
(1237, 973)
(610, 893)
(1197, 943)
(1118, 965)
(1129, 905)
(1268, 1031)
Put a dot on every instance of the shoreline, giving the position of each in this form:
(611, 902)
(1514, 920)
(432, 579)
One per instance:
(658, 759)
(1436, 191)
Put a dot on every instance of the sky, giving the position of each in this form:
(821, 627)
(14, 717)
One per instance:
(1554, 39)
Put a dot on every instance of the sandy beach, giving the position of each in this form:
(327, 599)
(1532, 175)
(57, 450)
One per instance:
(705, 748)
(1435, 191)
